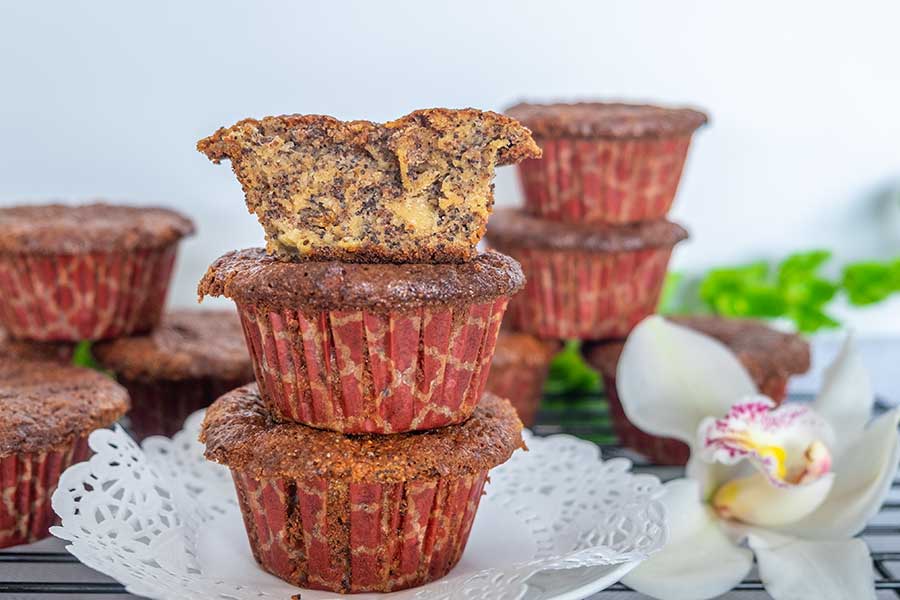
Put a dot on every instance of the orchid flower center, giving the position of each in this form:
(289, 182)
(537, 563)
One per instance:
(781, 448)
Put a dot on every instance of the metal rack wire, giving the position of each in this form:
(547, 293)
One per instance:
(45, 571)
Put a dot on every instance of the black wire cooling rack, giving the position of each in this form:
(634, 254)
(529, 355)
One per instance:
(45, 571)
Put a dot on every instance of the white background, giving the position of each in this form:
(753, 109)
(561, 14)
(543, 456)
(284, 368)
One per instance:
(107, 99)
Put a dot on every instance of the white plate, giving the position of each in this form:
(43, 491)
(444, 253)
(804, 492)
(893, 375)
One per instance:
(556, 523)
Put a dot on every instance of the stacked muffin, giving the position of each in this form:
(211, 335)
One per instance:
(592, 237)
(360, 454)
(67, 274)
(101, 273)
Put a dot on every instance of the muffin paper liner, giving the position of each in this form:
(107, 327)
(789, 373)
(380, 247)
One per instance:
(361, 372)
(358, 537)
(522, 385)
(660, 450)
(161, 407)
(586, 295)
(604, 181)
(83, 297)
(27, 482)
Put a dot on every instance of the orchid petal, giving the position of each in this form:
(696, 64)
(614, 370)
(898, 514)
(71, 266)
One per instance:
(788, 444)
(802, 570)
(670, 378)
(711, 476)
(863, 476)
(847, 396)
(755, 501)
(700, 561)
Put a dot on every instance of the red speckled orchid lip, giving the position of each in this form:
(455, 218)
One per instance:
(785, 443)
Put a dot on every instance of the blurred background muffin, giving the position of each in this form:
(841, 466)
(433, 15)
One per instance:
(90, 272)
(48, 410)
(518, 371)
(192, 358)
(770, 357)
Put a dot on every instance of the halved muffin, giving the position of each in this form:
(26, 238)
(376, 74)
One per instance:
(417, 189)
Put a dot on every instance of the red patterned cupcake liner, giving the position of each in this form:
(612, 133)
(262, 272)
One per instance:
(161, 407)
(586, 295)
(360, 372)
(69, 298)
(358, 537)
(27, 482)
(522, 385)
(660, 450)
(604, 181)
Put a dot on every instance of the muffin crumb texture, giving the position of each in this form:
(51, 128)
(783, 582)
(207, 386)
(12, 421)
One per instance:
(47, 406)
(417, 189)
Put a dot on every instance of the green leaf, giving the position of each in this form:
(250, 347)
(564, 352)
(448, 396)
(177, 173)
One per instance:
(83, 357)
(569, 373)
(869, 282)
(795, 290)
(802, 265)
(809, 319)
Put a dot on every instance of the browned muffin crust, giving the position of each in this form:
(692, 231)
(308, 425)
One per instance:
(513, 228)
(188, 344)
(46, 406)
(239, 432)
(24, 350)
(61, 229)
(515, 348)
(417, 189)
(607, 120)
(764, 352)
(252, 277)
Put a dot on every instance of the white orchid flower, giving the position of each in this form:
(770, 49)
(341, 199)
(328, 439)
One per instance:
(791, 484)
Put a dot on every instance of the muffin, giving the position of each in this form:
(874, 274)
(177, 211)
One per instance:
(368, 348)
(71, 273)
(418, 189)
(22, 350)
(48, 412)
(192, 358)
(605, 163)
(584, 282)
(367, 513)
(770, 357)
(518, 371)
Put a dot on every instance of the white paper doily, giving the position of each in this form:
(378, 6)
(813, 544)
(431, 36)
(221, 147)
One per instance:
(556, 522)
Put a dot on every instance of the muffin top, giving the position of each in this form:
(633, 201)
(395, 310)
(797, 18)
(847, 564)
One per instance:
(513, 228)
(607, 120)
(252, 277)
(764, 352)
(188, 344)
(47, 406)
(416, 189)
(26, 350)
(61, 229)
(514, 348)
(239, 432)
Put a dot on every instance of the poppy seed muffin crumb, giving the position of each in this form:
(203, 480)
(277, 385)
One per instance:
(417, 189)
